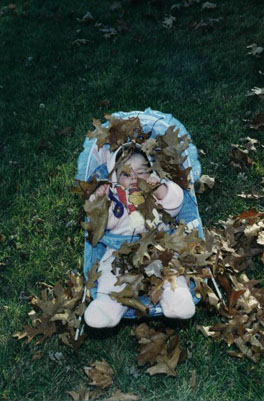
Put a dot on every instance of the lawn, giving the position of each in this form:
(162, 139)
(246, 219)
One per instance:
(60, 70)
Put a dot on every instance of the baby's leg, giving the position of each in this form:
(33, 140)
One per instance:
(105, 311)
(177, 304)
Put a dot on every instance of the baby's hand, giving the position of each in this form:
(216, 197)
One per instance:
(102, 190)
(152, 181)
(161, 191)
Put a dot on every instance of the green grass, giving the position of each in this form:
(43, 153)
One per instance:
(199, 77)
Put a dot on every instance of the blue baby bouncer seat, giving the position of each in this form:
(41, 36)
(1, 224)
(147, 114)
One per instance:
(89, 164)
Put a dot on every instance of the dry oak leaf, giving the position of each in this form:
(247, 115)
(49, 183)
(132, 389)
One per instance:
(149, 146)
(85, 188)
(151, 342)
(85, 395)
(97, 213)
(208, 6)
(256, 91)
(255, 49)
(121, 130)
(67, 131)
(101, 134)
(101, 374)
(147, 207)
(174, 145)
(45, 327)
(129, 298)
(145, 245)
(165, 364)
(202, 182)
(93, 276)
(119, 396)
(169, 21)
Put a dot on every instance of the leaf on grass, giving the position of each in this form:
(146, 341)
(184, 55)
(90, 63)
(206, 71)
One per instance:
(206, 330)
(203, 182)
(83, 394)
(207, 25)
(57, 311)
(253, 195)
(67, 131)
(169, 21)
(256, 91)
(119, 396)
(239, 156)
(81, 41)
(255, 50)
(45, 328)
(86, 18)
(208, 6)
(101, 374)
(159, 348)
(257, 122)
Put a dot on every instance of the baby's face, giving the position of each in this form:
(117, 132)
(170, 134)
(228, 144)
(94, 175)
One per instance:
(139, 169)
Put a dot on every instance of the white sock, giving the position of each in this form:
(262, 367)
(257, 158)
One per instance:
(104, 312)
(177, 304)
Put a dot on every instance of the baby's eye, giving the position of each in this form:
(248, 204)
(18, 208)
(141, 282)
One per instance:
(125, 175)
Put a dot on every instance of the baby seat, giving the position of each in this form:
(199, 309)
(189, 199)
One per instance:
(90, 163)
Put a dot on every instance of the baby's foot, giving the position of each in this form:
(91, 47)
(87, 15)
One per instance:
(177, 304)
(104, 312)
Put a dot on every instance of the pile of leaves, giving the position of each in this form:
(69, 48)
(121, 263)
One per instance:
(58, 311)
(159, 348)
(222, 258)
(217, 264)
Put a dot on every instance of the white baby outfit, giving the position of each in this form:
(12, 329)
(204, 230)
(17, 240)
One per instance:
(105, 311)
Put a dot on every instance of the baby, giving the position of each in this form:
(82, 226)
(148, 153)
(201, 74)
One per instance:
(105, 311)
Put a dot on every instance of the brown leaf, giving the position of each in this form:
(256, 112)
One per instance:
(233, 297)
(101, 374)
(255, 50)
(45, 328)
(84, 394)
(67, 131)
(2, 238)
(97, 213)
(128, 298)
(208, 6)
(84, 188)
(118, 395)
(56, 305)
(93, 276)
(121, 130)
(203, 182)
(101, 133)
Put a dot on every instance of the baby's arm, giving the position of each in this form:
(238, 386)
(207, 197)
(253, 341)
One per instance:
(169, 195)
(102, 190)
(161, 191)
